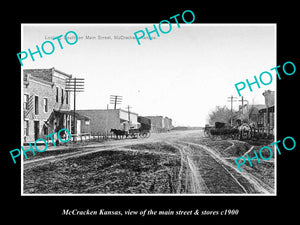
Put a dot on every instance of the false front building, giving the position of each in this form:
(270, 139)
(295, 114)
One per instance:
(160, 123)
(103, 120)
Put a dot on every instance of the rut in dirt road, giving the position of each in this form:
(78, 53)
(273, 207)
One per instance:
(193, 182)
(85, 151)
(258, 186)
(167, 163)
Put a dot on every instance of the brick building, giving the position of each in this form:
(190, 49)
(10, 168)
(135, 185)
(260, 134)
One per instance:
(46, 103)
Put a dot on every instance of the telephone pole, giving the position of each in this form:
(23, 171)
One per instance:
(128, 110)
(115, 99)
(75, 85)
(232, 99)
(243, 103)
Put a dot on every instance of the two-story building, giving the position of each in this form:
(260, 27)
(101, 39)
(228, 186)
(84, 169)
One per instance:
(46, 103)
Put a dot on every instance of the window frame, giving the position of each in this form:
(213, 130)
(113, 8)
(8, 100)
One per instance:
(36, 105)
(45, 105)
(26, 102)
(57, 93)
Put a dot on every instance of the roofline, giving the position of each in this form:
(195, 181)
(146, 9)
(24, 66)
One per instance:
(71, 112)
(155, 116)
(68, 75)
(127, 112)
(106, 110)
(53, 69)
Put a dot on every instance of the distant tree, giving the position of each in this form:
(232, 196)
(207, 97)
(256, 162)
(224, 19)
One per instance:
(220, 114)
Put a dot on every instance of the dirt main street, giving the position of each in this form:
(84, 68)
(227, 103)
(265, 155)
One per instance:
(177, 162)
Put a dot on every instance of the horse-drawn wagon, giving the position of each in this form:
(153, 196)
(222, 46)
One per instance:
(221, 131)
(143, 131)
(242, 131)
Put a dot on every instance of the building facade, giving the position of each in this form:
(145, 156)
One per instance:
(250, 113)
(157, 123)
(44, 97)
(262, 115)
(103, 120)
(168, 124)
(267, 114)
(269, 98)
(160, 123)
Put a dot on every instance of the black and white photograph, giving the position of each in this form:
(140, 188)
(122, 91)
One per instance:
(163, 117)
(164, 114)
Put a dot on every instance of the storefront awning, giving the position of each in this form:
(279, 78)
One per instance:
(270, 109)
(71, 113)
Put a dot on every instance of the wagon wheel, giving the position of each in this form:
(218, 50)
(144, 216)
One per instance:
(148, 134)
(206, 133)
(143, 134)
(212, 137)
(246, 135)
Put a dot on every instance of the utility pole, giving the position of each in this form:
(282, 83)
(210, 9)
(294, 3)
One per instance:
(232, 99)
(243, 103)
(75, 85)
(115, 99)
(128, 110)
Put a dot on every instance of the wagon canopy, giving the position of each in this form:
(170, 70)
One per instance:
(219, 125)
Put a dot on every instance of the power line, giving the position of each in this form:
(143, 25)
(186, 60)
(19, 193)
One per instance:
(75, 85)
(243, 100)
(115, 99)
(232, 99)
(128, 110)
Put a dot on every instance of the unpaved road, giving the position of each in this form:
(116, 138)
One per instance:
(203, 169)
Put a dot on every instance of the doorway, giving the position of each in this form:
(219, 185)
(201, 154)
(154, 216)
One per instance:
(36, 129)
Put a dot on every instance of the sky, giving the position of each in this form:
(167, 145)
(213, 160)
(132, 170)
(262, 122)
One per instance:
(183, 75)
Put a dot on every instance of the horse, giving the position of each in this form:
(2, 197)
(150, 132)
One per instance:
(254, 129)
(118, 133)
